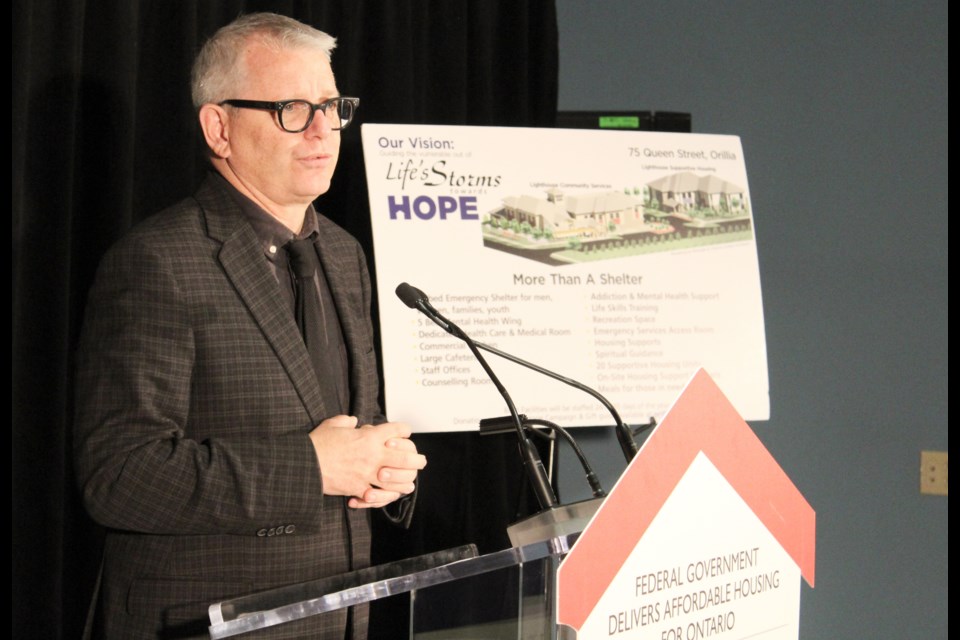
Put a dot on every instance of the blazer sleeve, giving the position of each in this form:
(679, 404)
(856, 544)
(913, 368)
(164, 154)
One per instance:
(137, 468)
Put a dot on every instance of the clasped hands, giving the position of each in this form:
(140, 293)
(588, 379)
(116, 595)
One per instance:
(374, 465)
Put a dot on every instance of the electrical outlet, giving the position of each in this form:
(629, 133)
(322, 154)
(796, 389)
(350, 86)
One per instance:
(933, 473)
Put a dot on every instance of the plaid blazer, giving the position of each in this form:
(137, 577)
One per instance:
(194, 396)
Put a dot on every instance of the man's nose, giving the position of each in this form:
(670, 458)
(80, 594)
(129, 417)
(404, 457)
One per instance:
(321, 126)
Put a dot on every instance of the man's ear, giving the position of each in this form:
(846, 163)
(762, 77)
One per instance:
(214, 122)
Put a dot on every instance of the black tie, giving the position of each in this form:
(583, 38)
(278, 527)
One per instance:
(315, 327)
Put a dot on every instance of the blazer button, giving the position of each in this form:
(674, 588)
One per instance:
(262, 533)
(289, 529)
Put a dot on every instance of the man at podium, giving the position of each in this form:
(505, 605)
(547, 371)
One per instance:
(228, 432)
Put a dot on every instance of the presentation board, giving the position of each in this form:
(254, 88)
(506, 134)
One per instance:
(624, 260)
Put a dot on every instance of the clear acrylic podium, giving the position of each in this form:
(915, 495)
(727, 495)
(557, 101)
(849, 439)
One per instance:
(453, 594)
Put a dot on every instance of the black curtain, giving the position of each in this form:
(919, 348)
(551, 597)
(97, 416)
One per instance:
(104, 135)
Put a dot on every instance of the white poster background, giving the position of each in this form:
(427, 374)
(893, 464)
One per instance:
(656, 297)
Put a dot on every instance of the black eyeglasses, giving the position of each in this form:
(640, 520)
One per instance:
(296, 115)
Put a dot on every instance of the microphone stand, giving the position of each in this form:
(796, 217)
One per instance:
(500, 425)
(531, 459)
(624, 435)
(415, 298)
(553, 520)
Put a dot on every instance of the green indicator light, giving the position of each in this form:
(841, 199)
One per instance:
(619, 122)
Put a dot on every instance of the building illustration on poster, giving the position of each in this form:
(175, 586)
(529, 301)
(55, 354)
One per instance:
(678, 211)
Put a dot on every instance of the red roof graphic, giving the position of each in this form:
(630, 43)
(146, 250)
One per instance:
(702, 419)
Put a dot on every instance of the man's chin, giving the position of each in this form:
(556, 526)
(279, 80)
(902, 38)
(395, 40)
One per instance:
(316, 189)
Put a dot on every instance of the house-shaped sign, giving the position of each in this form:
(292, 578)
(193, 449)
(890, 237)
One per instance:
(703, 536)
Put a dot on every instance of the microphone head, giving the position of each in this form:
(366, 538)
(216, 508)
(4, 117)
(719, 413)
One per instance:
(410, 295)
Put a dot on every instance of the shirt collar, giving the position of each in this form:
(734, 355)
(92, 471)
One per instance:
(271, 233)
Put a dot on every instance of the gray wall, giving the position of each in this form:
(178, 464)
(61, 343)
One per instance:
(842, 112)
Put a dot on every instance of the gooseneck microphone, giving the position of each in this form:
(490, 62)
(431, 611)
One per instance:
(416, 299)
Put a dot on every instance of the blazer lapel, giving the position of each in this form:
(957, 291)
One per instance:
(242, 261)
